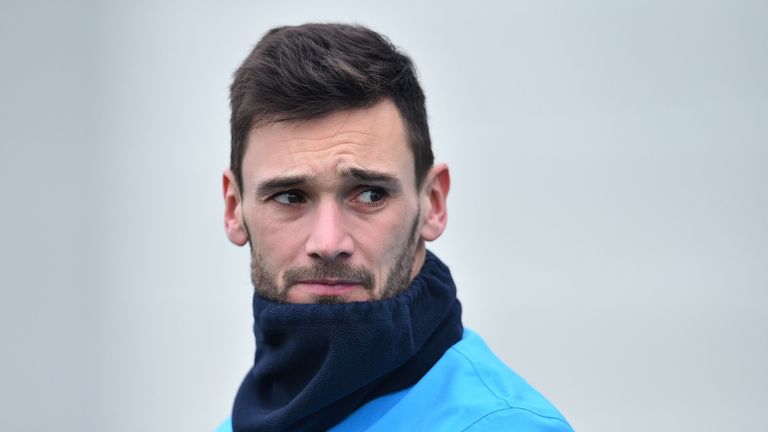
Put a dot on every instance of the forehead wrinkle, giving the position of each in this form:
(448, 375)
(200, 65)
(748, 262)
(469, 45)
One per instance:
(336, 159)
(265, 129)
(332, 142)
(333, 138)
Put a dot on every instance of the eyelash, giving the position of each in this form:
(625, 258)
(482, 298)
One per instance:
(384, 196)
(298, 193)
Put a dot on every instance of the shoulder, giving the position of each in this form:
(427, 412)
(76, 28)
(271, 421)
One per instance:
(468, 389)
(499, 397)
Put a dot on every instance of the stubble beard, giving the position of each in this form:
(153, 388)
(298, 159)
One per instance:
(398, 279)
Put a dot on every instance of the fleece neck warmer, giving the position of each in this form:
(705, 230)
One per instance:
(317, 363)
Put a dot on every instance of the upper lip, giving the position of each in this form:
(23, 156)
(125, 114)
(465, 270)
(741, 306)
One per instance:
(330, 281)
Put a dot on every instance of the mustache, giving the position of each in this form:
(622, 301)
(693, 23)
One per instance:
(334, 270)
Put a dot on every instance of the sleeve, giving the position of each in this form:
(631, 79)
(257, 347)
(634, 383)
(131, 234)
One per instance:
(518, 420)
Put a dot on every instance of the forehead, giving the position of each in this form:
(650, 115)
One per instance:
(373, 138)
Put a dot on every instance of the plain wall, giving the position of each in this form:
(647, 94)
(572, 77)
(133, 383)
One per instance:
(608, 225)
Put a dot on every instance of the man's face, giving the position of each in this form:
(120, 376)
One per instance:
(330, 208)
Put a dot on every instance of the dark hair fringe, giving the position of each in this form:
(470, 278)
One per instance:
(309, 71)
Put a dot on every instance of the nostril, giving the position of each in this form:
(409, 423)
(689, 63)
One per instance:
(331, 256)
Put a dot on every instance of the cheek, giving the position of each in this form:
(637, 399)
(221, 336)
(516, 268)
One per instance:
(276, 241)
(383, 239)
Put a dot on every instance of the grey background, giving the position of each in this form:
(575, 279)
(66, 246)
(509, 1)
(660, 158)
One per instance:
(607, 225)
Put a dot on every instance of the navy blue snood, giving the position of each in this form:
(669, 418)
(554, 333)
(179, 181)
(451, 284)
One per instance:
(317, 363)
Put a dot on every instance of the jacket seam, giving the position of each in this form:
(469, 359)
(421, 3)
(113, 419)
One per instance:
(480, 376)
(520, 409)
(506, 401)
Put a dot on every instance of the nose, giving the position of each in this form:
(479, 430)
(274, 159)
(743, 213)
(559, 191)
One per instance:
(329, 239)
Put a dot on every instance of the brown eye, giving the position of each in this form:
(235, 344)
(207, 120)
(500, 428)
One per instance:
(288, 198)
(372, 197)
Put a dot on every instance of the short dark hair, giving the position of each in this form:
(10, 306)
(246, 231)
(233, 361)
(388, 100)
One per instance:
(312, 70)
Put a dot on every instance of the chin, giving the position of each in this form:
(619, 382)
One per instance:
(329, 298)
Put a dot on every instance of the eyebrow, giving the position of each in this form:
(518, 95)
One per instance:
(362, 175)
(285, 182)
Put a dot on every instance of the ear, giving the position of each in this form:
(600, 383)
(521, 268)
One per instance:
(433, 204)
(233, 222)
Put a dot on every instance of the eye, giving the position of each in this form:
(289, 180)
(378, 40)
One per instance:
(372, 197)
(288, 198)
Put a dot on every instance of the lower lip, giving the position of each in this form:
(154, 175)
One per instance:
(323, 289)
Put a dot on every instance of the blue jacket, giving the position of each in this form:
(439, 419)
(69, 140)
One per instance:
(468, 389)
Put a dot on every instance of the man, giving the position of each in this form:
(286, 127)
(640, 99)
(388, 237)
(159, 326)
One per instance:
(333, 187)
